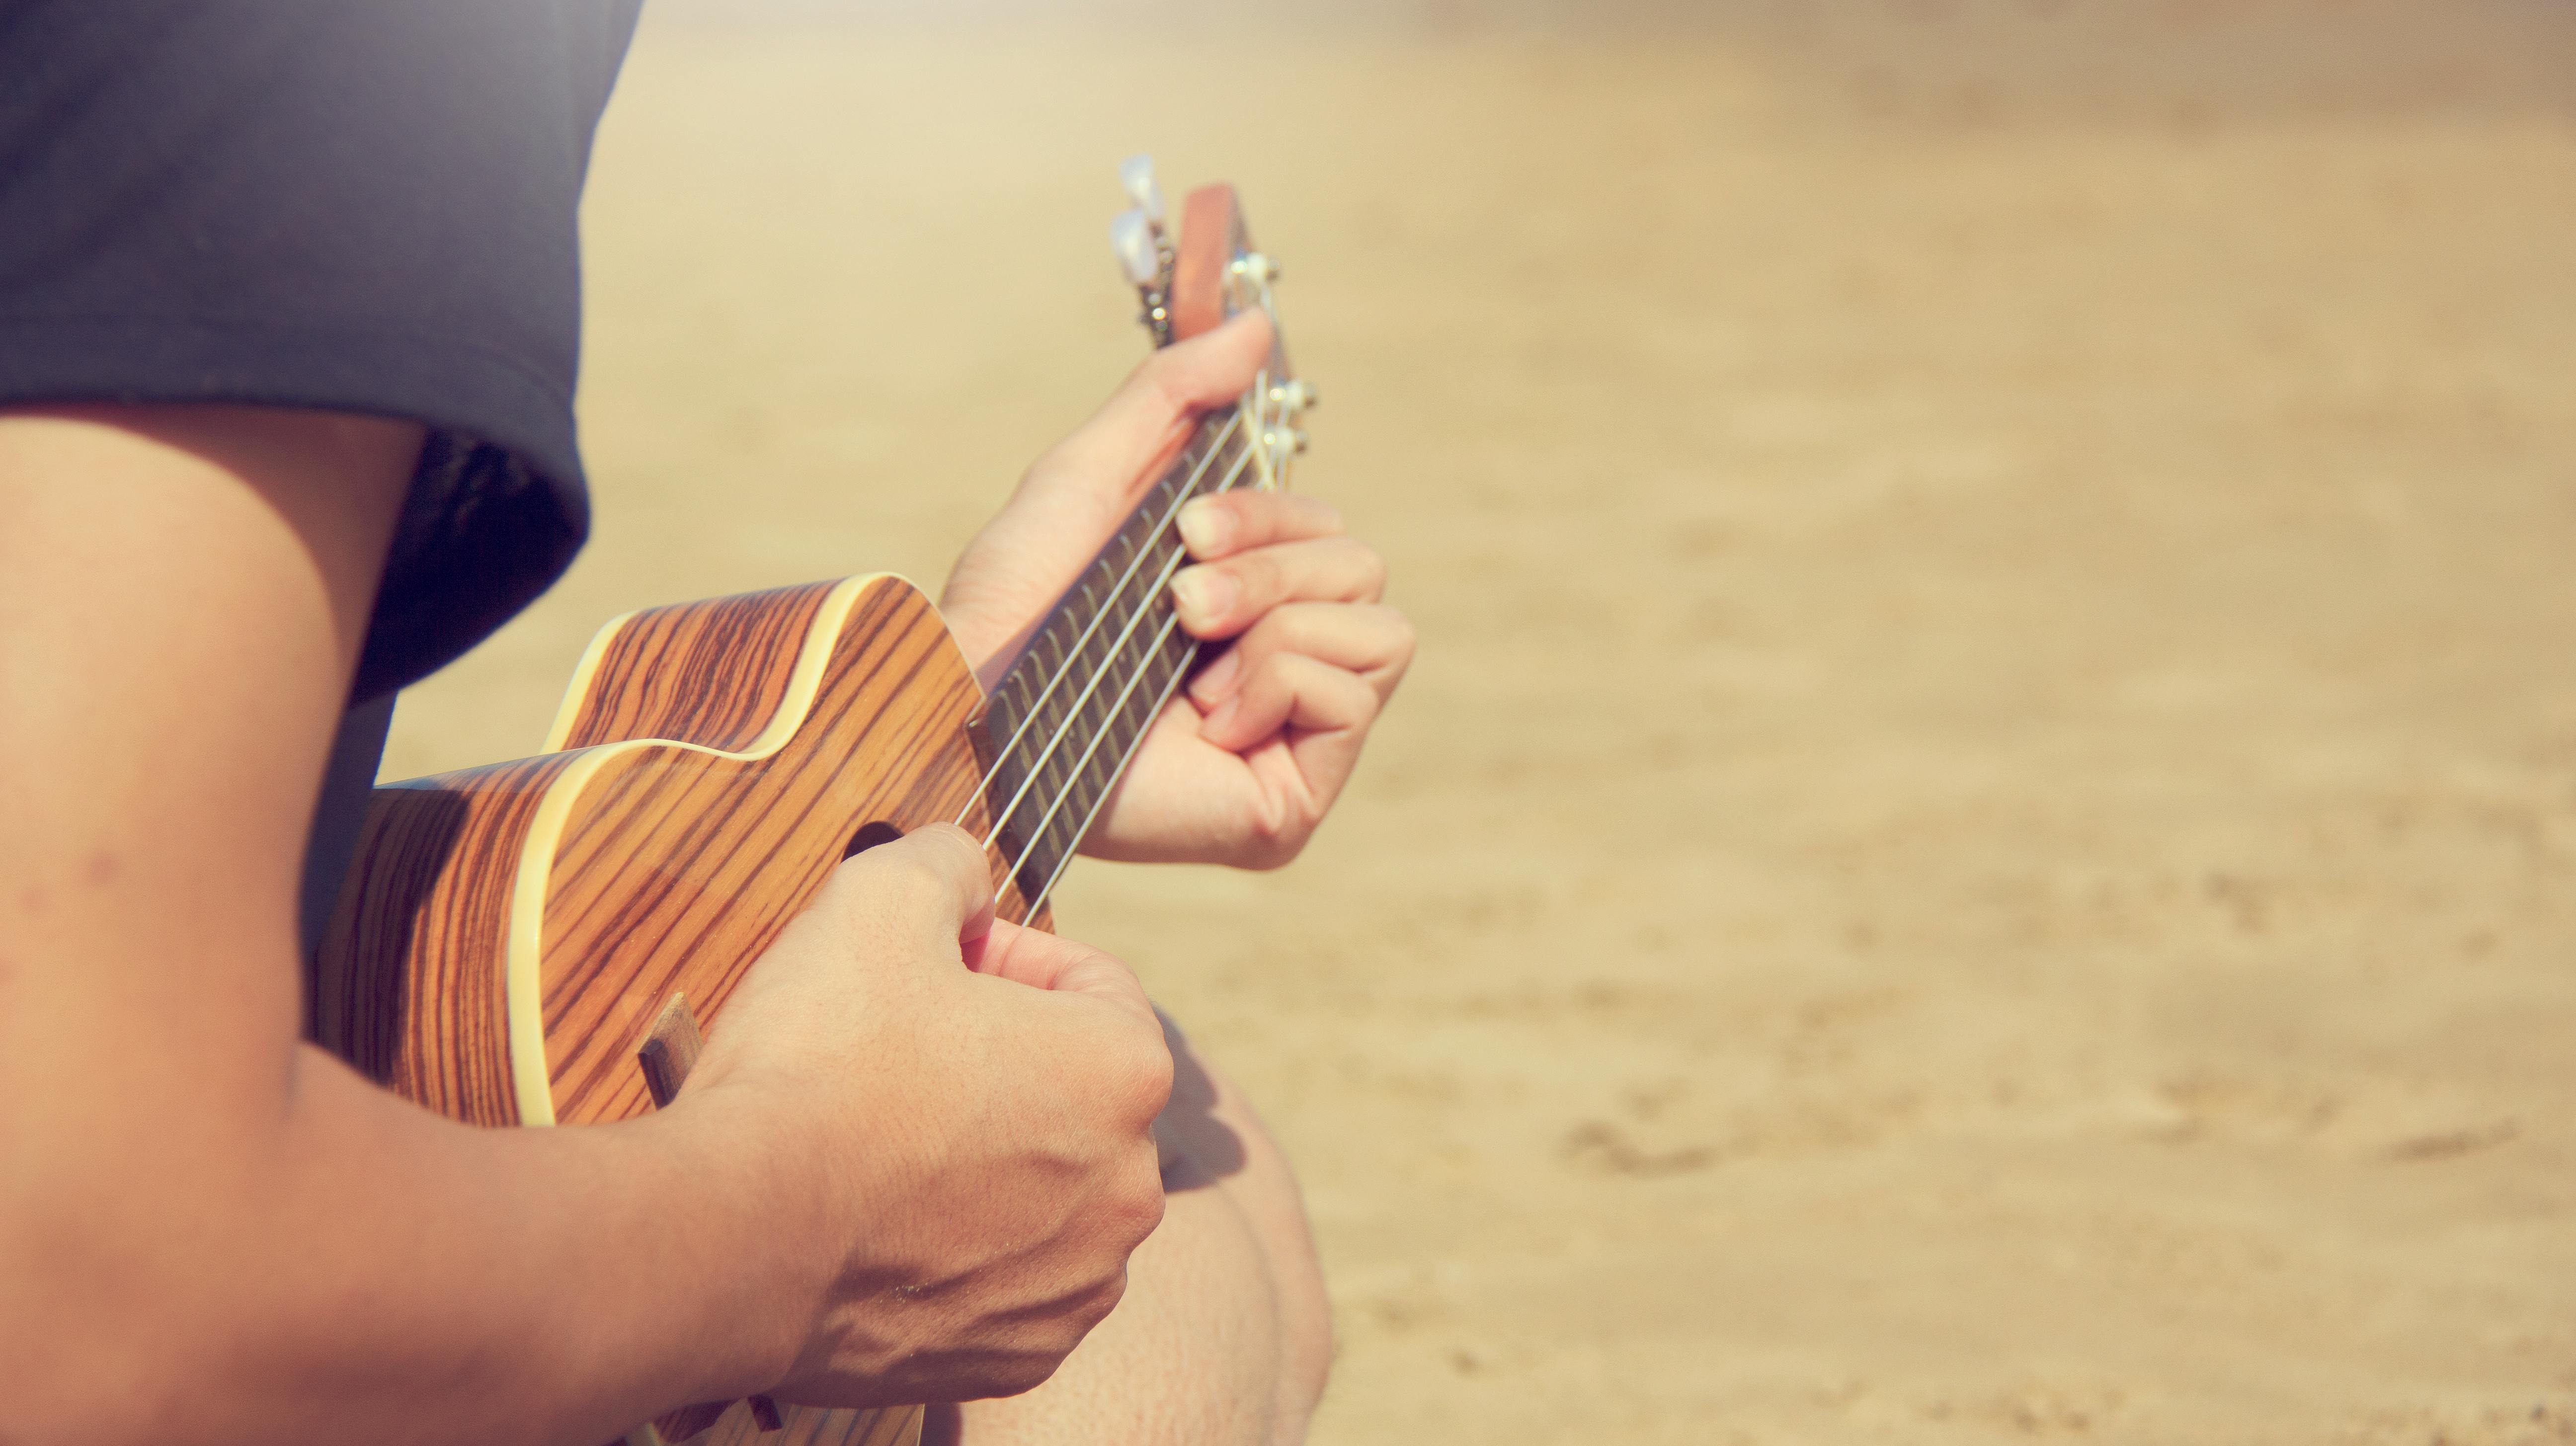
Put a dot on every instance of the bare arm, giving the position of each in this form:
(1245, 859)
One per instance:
(211, 1231)
(1225, 1335)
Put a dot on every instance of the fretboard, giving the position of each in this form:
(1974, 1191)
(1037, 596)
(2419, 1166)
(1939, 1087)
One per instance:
(1062, 721)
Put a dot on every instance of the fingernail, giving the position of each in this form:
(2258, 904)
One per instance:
(1202, 594)
(1205, 527)
(1216, 680)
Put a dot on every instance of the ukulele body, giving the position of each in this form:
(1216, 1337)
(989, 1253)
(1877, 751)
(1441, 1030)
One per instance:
(509, 933)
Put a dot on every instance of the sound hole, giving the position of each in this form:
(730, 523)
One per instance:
(869, 836)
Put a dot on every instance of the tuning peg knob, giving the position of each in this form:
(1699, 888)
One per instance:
(1131, 236)
(1137, 175)
(1256, 268)
(1292, 397)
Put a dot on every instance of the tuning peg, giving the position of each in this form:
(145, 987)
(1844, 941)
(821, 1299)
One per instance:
(1293, 397)
(1137, 175)
(1132, 237)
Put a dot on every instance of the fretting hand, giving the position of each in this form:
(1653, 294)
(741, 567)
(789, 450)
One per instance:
(1243, 764)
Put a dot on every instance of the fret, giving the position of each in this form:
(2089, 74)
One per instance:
(1066, 713)
(1054, 657)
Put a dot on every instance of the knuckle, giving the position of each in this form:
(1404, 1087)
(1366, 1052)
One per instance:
(1189, 376)
(1242, 508)
(1169, 387)
(1052, 463)
(1151, 1208)
(1154, 1074)
(1274, 837)
(1270, 680)
(1164, 374)
(1369, 566)
(1138, 1210)
(1144, 1084)
(845, 895)
(1400, 635)
(1360, 702)
(1103, 1299)
(894, 871)
(947, 850)
(1263, 576)
(906, 878)
(1024, 1374)
(1253, 515)
(1275, 848)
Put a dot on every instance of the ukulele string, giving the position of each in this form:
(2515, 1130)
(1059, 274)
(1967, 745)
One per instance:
(1143, 606)
(1064, 669)
(1038, 834)
(1073, 775)
(1073, 711)
(1134, 743)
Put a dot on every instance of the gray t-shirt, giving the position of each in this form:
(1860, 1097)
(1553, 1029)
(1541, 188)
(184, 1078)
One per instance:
(348, 206)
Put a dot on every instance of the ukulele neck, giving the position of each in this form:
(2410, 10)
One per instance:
(1062, 720)
(1060, 723)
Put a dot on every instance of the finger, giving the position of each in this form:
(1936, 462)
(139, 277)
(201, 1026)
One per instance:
(1224, 523)
(936, 874)
(1291, 690)
(1051, 962)
(1149, 414)
(1370, 639)
(1221, 599)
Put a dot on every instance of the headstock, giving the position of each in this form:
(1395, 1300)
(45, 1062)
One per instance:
(1069, 702)
(1144, 247)
(1193, 285)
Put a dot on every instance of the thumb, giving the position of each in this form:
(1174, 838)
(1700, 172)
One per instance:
(933, 878)
(1042, 960)
(1165, 391)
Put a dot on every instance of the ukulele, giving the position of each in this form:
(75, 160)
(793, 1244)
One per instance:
(537, 942)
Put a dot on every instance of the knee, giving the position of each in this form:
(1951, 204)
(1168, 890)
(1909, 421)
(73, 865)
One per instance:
(1305, 1348)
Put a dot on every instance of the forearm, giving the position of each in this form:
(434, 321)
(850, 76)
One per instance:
(209, 1232)
(355, 1269)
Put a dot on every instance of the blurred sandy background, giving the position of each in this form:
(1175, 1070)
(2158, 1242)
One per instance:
(1983, 844)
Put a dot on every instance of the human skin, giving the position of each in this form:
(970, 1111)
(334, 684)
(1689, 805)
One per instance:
(211, 1231)
(1242, 768)
(1224, 1337)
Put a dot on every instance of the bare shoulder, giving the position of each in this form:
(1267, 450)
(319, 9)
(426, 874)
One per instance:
(182, 593)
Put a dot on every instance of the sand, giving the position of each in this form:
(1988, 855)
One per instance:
(1983, 842)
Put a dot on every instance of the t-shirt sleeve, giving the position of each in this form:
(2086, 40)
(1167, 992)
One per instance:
(361, 207)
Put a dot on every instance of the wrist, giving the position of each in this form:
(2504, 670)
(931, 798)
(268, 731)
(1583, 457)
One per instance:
(751, 1210)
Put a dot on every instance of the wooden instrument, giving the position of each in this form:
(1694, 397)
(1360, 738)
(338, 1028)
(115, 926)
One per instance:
(533, 943)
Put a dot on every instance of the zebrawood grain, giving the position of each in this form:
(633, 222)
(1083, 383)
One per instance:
(669, 867)
(711, 673)
(679, 867)
(507, 930)
(406, 985)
